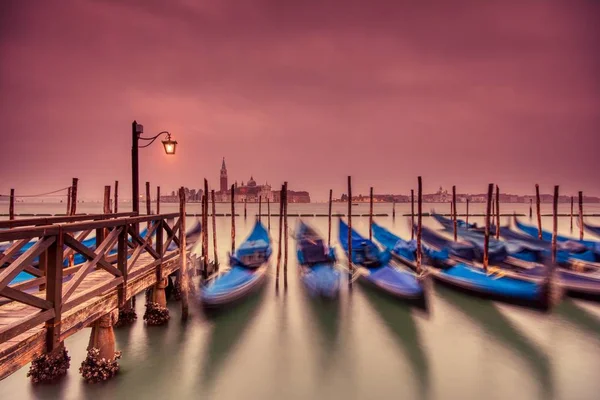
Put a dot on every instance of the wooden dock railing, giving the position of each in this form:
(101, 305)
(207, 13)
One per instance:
(36, 315)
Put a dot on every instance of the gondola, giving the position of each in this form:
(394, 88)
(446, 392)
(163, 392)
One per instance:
(595, 229)
(376, 270)
(316, 263)
(494, 284)
(579, 277)
(247, 272)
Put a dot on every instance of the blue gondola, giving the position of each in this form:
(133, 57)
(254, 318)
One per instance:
(375, 269)
(316, 263)
(248, 271)
(566, 242)
(579, 275)
(464, 276)
(595, 229)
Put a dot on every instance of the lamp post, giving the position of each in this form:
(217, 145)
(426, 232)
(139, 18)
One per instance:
(136, 135)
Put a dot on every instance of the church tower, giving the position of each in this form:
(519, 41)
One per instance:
(223, 177)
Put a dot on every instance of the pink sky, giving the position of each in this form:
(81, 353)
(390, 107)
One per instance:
(461, 93)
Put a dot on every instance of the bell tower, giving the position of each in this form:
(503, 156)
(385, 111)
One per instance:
(223, 185)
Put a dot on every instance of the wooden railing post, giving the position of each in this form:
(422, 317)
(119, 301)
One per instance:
(122, 250)
(54, 286)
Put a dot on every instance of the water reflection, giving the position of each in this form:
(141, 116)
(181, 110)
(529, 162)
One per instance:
(399, 320)
(228, 326)
(491, 319)
(576, 315)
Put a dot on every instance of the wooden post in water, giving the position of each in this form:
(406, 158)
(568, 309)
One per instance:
(148, 200)
(497, 212)
(419, 221)
(280, 230)
(203, 230)
(329, 218)
(158, 200)
(184, 286)
(530, 208)
(412, 214)
(11, 207)
(285, 235)
(232, 219)
(493, 207)
(69, 200)
(554, 224)
(486, 240)
(74, 196)
(116, 207)
(148, 206)
(371, 214)
(571, 214)
(245, 211)
(537, 206)
(268, 214)
(205, 244)
(467, 215)
(214, 231)
(106, 205)
(259, 207)
(394, 208)
(455, 222)
(350, 265)
(451, 208)
(580, 215)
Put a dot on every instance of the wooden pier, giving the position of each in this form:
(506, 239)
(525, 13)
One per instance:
(37, 315)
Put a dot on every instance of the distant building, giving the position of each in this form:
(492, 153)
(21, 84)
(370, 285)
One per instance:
(251, 191)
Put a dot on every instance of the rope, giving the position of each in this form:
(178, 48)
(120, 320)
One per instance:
(39, 195)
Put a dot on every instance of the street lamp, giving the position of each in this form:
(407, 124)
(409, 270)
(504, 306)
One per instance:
(136, 135)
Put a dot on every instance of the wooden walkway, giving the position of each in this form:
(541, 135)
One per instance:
(86, 291)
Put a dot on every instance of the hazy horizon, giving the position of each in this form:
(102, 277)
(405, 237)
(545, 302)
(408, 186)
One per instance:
(462, 93)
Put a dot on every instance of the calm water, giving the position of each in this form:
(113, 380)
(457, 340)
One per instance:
(364, 346)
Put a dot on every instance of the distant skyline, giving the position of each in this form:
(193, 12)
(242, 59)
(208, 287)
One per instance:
(460, 92)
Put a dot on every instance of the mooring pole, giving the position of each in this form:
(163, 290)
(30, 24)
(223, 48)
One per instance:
(554, 224)
(371, 214)
(268, 214)
(203, 229)
(69, 200)
(280, 231)
(74, 196)
(497, 212)
(245, 211)
(205, 244)
(148, 200)
(11, 207)
(158, 200)
(486, 241)
(455, 222)
(214, 226)
(467, 216)
(412, 214)
(232, 219)
(329, 219)
(571, 214)
(184, 286)
(116, 207)
(106, 205)
(394, 208)
(285, 235)
(259, 208)
(539, 213)
(580, 215)
(530, 208)
(350, 265)
(419, 222)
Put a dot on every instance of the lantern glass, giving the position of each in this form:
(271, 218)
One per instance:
(170, 146)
